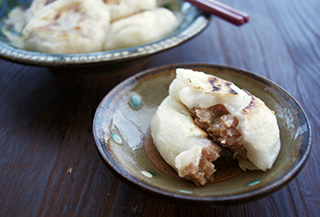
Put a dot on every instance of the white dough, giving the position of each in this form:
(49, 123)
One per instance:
(68, 26)
(16, 18)
(140, 28)
(194, 90)
(261, 137)
(123, 8)
(35, 6)
(177, 138)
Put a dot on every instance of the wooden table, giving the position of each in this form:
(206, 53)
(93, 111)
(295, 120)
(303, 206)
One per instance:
(49, 165)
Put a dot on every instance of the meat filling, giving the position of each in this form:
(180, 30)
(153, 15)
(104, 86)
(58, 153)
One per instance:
(221, 126)
(206, 168)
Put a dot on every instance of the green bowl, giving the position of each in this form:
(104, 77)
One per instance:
(121, 132)
(193, 21)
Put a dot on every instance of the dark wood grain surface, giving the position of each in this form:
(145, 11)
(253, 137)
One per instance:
(49, 165)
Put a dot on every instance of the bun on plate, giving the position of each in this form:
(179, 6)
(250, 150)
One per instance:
(68, 26)
(204, 114)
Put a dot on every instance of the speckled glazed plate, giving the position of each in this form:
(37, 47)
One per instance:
(193, 21)
(121, 132)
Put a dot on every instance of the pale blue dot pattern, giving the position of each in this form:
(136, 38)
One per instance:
(135, 101)
(149, 173)
(255, 182)
(154, 174)
(116, 138)
(185, 192)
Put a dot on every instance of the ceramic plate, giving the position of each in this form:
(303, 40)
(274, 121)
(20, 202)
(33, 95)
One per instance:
(193, 21)
(121, 132)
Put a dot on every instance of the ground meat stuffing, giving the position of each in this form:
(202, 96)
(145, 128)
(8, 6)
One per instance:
(206, 168)
(221, 126)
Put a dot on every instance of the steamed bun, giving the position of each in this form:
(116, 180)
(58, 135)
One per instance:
(140, 28)
(68, 26)
(221, 112)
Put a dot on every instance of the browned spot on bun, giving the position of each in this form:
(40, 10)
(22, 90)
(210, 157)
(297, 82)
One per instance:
(228, 84)
(112, 2)
(218, 84)
(215, 85)
(49, 1)
(253, 105)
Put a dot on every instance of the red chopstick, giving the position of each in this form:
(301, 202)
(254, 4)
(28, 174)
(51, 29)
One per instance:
(221, 10)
